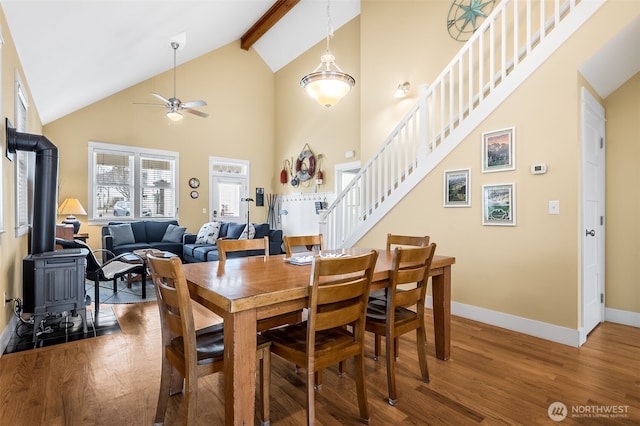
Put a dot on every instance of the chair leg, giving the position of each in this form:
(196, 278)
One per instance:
(376, 347)
(311, 408)
(317, 378)
(361, 389)
(342, 368)
(163, 396)
(391, 369)
(421, 341)
(265, 386)
(396, 352)
(190, 398)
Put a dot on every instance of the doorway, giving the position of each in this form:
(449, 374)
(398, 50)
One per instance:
(229, 180)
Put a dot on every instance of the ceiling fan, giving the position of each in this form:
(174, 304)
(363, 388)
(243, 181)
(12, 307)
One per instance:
(175, 106)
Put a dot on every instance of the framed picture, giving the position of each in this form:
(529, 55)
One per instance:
(499, 150)
(499, 204)
(457, 186)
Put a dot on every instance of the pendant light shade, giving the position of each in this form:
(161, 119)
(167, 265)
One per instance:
(327, 84)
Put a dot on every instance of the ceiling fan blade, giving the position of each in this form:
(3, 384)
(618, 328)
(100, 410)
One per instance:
(196, 112)
(149, 103)
(163, 99)
(194, 104)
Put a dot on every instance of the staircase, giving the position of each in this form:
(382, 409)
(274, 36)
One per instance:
(512, 43)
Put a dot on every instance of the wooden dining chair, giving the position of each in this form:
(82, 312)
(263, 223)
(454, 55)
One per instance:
(310, 242)
(402, 311)
(229, 245)
(192, 353)
(394, 240)
(338, 297)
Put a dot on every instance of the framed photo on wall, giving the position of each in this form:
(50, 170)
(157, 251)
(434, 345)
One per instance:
(499, 150)
(499, 204)
(457, 188)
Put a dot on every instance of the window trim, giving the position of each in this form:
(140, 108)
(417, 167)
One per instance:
(136, 152)
(23, 219)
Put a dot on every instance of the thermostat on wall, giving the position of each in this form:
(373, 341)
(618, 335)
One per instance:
(538, 169)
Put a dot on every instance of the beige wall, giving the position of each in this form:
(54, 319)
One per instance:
(623, 202)
(400, 41)
(239, 90)
(12, 249)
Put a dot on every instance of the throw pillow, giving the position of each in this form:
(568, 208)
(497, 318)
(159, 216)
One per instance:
(252, 232)
(234, 230)
(208, 233)
(174, 234)
(122, 234)
(262, 230)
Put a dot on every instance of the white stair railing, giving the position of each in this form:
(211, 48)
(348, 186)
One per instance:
(512, 42)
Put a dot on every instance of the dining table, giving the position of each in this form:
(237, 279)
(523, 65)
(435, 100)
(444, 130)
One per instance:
(247, 289)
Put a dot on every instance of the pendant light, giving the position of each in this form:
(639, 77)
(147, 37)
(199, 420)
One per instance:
(327, 84)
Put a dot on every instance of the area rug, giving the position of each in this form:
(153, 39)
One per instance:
(124, 295)
(58, 329)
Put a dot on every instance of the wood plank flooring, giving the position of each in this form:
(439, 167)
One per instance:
(494, 377)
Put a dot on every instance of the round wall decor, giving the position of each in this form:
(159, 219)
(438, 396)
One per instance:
(194, 194)
(194, 182)
(305, 164)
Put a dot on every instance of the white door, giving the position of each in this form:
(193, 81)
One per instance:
(229, 180)
(593, 133)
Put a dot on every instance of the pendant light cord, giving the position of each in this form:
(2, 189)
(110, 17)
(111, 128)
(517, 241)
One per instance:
(329, 25)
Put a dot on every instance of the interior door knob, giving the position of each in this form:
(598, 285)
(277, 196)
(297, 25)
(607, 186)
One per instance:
(591, 233)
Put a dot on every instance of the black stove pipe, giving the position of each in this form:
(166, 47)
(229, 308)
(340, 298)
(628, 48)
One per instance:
(43, 233)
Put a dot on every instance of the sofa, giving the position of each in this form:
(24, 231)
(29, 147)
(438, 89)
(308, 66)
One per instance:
(123, 237)
(201, 247)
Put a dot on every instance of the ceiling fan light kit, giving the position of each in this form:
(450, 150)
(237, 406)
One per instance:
(328, 84)
(175, 106)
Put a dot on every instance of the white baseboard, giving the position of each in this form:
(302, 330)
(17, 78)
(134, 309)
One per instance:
(554, 333)
(5, 337)
(622, 317)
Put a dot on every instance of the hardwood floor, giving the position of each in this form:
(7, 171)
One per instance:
(493, 377)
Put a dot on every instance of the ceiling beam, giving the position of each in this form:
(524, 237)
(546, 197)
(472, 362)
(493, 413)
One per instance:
(268, 20)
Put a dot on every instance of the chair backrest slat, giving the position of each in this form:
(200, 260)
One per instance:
(309, 242)
(406, 240)
(228, 245)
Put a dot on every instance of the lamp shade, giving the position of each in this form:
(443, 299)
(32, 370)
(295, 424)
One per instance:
(72, 207)
(327, 87)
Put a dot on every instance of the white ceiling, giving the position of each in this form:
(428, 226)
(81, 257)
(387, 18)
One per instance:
(75, 53)
(616, 62)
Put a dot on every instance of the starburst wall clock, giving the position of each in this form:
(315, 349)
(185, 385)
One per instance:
(465, 16)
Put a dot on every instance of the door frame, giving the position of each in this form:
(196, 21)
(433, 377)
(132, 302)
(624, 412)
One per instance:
(589, 102)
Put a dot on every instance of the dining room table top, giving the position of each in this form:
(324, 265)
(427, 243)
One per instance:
(254, 281)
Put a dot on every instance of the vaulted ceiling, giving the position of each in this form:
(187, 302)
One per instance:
(75, 53)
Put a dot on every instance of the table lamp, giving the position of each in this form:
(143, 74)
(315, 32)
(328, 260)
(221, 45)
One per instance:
(72, 207)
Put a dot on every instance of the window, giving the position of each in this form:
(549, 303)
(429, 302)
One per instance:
(131, 183)
(24, 165)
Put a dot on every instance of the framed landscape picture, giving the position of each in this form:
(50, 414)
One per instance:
(457, 188)
(499, 150)
(499, 204)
